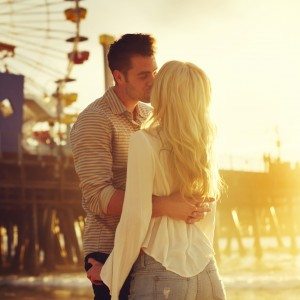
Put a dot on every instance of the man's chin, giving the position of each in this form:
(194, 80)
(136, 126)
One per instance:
(145, 100)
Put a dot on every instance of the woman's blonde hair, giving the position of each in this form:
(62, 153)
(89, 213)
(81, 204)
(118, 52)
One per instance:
(181, 99)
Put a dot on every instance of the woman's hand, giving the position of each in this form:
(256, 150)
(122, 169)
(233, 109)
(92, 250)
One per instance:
(93, 274)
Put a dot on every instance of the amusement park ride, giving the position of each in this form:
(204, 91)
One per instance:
(40, 44)
(41, 219)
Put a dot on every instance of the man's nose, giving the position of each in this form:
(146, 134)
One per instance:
(151, 79)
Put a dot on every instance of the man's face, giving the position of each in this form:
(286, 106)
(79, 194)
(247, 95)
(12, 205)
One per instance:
(139, 79)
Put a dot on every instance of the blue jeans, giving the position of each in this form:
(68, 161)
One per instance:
(151, 281)
(101, 291)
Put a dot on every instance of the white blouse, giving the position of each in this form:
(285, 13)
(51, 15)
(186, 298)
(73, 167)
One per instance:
(180, 247)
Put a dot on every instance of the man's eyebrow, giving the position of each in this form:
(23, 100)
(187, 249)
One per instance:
(146, 72)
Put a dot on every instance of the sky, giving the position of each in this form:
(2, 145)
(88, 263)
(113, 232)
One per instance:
(249, 49)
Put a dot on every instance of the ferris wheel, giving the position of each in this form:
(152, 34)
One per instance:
(40, 39)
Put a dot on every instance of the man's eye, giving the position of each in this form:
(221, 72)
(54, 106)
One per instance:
(143, 76)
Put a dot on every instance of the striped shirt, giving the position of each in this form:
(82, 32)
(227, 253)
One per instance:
(99, 141)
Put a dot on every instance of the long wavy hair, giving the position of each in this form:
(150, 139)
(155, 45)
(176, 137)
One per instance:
(181, 97)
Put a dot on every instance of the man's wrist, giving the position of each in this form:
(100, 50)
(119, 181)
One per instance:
(159, 206)
(114, 207)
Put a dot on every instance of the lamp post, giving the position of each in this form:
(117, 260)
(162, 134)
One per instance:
(106, 40)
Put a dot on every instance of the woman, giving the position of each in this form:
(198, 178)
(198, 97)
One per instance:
(174, 152)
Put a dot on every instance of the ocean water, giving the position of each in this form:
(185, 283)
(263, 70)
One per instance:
(276, 276)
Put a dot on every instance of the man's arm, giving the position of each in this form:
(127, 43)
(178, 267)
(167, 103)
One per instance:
(173, 206)
(90, 139)
(91, 146)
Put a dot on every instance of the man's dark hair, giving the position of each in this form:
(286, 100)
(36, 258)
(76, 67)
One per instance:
(129, 45)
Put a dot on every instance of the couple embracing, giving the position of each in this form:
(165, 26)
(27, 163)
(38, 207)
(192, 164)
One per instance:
(149, 179)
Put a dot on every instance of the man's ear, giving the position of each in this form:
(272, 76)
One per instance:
(118, 76)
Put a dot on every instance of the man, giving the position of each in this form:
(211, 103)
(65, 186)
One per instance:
(99, 141)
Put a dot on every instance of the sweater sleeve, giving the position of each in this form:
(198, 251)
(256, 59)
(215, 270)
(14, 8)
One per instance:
(136, 214)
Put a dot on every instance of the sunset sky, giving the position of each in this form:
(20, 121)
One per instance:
(250, 50)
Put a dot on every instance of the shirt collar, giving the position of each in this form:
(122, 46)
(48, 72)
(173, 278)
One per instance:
(115, 104)
(141, 110)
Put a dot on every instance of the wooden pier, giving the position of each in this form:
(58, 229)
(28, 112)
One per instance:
(260, 206)
(40, 212)
(42, 221)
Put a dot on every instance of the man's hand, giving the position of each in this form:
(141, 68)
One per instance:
(93, 274)
(190, 210)
(202, 208)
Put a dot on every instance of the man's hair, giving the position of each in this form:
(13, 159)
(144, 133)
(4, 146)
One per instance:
(129, 45)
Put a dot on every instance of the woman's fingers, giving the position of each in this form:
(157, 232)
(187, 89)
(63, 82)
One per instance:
(93, 274)
(93, 261)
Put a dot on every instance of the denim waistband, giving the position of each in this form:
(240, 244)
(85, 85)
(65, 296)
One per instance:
(144, 259)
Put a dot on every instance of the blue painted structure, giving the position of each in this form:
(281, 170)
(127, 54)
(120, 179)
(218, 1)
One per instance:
(11, 88)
